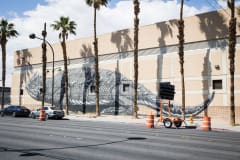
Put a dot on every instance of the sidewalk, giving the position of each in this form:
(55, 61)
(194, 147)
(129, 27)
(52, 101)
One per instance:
(219, 125)
(216, 124)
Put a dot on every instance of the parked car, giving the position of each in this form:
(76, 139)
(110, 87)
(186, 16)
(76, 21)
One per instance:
(15, 110)
(50, 112)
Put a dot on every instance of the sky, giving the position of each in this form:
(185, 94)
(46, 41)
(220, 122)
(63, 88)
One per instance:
(30, 15)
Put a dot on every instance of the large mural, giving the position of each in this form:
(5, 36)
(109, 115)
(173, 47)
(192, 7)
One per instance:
(116, 93)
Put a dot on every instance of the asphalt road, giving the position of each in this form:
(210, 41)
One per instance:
(29, 139)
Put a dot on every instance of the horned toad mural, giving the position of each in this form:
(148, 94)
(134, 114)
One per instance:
(115, 93)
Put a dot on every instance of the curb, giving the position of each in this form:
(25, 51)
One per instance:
(142, 121)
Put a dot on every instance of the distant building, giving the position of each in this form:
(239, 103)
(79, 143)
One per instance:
(7, 95)
(206, 66)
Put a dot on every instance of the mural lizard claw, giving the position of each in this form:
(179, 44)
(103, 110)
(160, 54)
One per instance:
(115, 93)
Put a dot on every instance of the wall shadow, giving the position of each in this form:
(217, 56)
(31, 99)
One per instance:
(23, 60)
(86, 52)
(206, 73)
(124, 43)
(122, 40)
(165, 31)
(214, 26)
(62, 92)
(117, 88)
(159, 78)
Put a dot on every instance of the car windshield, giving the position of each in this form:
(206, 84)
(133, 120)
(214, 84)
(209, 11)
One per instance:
(47, 108)
(16, 107)
(52, 108)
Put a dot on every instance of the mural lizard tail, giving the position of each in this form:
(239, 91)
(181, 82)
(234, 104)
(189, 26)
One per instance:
(115, 93)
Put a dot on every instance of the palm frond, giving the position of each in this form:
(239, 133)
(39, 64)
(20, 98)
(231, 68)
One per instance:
(60, 35)
(65, 26)
(73, 32)
(89, 2)
(97, 3)
(7, 29)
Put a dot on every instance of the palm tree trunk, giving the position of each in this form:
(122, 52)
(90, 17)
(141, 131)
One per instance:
(44, 73)
(44, 60)
(181, 55)
(95, 43)
(232, 44)
(63, 43)
(3, 44)
(136, 24)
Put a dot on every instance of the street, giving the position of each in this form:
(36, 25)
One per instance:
(28, 139)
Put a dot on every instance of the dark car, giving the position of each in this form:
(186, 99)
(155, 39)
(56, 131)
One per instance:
(15, 110)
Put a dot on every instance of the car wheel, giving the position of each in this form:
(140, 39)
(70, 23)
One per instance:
(2, 114)
(33, 116)
(14, 114)
(178, 124)
(167, 123)
(46, 117)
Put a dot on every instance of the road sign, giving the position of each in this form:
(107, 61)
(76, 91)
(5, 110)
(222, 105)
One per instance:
(166, 90)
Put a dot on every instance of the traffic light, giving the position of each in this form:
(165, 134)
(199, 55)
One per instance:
(166, 91)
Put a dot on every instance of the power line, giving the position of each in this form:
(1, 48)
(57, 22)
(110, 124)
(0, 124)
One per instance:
(216, 2)
(219, 6)
(212, 5)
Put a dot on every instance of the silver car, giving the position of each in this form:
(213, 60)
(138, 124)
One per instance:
(50, 112)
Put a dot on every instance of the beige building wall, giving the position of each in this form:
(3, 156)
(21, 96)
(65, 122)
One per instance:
(202, 65)
(208, 26)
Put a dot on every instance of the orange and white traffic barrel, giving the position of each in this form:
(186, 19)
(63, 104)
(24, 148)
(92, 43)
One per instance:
(206, 126)
(42, 116)
(150, 121)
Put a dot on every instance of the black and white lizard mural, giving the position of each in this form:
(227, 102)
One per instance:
(115, 93)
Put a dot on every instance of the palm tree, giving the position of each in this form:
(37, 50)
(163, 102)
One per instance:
(136, 24)
(44, 60)
(66, 27)
(6, 31)
(181, 54)
(231, 50)
(96, 5)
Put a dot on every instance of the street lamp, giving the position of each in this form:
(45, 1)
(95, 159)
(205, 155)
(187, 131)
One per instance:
(33, 36)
